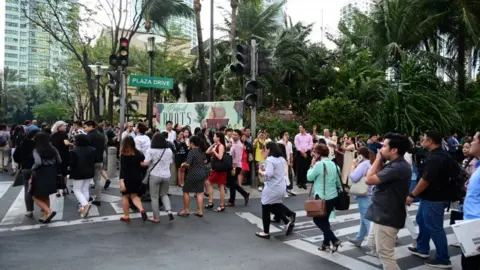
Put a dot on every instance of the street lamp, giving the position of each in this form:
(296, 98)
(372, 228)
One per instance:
(151, 54)
(98, 70)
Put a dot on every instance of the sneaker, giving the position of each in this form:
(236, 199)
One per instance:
(107, 184)
(354, 242)
(372, 254)
(286, 195)
(291, 192)
(457, 245)
(29, 214)
(260, 189)
(97, 203)
(435, 264)
(415, 252)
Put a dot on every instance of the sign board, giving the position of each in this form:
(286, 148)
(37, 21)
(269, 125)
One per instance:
(200, 114)
(150, 82)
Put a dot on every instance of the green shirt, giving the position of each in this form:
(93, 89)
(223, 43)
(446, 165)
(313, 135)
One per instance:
(332, 179)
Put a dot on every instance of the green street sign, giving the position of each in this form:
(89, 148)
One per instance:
(150, 82)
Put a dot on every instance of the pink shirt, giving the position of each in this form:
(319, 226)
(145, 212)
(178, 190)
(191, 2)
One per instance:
(303, 142)
(236, 151)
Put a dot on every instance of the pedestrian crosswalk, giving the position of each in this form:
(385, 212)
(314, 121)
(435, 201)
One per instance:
(307, 237)
(12, 209)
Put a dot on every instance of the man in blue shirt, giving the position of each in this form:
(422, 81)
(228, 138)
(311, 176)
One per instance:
(374, 145)
(471, 206)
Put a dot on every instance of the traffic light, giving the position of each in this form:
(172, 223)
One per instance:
(123, 52)
(251, 89)
(243, 67)
(265, 60)
(115, 81)
(113, 61)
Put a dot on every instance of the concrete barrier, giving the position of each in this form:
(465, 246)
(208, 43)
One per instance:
(112, 162)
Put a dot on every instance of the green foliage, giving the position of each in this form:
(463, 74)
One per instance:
(51, 111)
(275, 125)
(333, 113)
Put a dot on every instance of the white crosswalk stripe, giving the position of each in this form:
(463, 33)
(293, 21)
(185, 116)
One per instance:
(307, 237)
(16, 212)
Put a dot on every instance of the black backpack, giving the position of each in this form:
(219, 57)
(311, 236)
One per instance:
(456, 180)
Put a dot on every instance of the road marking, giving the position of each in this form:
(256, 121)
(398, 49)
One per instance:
(109, 198)
(456, 264)
(93, 212)
(4, 186)
(56, 204)
(74, 222)
(257, 221)
(16, 212)
(117, 206)
(338, 258)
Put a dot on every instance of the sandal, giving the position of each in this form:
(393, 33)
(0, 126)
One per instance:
(324, 248)
(262, 235)
(221, 208)
(183, 214)
(198, 214)
(154, 220)
(144, 215)
(209, 205)
(125, 219)
(336, 245)
(230, 204)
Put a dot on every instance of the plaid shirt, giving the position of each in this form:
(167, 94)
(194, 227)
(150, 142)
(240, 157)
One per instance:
(74, 133)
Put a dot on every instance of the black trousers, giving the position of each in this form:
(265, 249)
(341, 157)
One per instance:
(303, 164)
(471, 263)
(286, 210)
(290, 177)
(234, 186)
(278, 210)
(323, 223)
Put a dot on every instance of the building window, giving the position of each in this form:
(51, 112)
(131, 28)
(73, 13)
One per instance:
(23, 34)
(12, 24)
(11, 55)
(11, 32)
(23, 57)
(12, 17)
(23, 49)
(24, 25)
(12, 1)
(23, 41)
(11, 8)
(14, 40)
(23, 64)
(11, 47)
(10, 63)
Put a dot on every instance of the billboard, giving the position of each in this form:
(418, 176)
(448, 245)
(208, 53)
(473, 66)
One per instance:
(200, 114)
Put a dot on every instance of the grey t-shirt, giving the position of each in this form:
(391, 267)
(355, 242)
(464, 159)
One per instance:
(388, 200)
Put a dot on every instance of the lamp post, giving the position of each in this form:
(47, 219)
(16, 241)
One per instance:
(98, 70)
(151, 54)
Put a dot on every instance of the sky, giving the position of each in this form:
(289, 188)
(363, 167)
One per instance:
(324, 13)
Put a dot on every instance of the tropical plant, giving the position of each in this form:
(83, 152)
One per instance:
(11, 95)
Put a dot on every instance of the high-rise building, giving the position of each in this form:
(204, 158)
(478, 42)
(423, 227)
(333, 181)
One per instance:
(183, 27)
(364, 6)
(28, 49)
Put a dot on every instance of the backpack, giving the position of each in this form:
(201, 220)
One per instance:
(456, 180)
(3, 139)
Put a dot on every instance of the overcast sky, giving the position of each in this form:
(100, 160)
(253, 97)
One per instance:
(320, 12)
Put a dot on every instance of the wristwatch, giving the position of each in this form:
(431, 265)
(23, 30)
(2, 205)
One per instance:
(411, 196)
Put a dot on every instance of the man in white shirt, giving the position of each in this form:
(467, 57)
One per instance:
(142, 141)
(128, 131)
(331, 145)
(172, 135)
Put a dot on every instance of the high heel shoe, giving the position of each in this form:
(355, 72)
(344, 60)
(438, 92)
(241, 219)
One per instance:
(336, 245)
(209, 205)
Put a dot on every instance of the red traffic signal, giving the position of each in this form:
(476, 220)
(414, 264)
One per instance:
(123, 52)
(123, 42)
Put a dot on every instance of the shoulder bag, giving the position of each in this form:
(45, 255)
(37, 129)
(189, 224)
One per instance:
(317, 208)
(359, 188)
(223, 165)
(146, 179)
(343, 202)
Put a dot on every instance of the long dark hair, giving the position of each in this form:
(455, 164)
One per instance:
(203, 144)
(283, 150)
(274, 149)
(159, 141)
(221, 137)
(43, 146)
(127, 148)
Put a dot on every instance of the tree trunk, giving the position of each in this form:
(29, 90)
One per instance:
(461, 48)
(233, 28)
(201, 51)
(91, 87)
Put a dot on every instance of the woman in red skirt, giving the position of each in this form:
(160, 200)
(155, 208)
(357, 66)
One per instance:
(217, 150)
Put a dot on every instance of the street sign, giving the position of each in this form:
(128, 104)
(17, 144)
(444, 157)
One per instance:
(150, 82)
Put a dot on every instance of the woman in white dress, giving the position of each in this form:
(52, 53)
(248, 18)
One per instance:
(350, 150)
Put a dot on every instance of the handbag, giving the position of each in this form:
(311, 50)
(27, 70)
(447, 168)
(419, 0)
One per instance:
(317, 208)
(223, 165)
(146, 179)
(343, 202)
(359, 188)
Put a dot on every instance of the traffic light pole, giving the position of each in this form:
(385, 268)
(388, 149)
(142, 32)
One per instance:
(122, 100)
(253, 109)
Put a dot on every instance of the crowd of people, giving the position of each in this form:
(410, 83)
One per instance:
(378, 172)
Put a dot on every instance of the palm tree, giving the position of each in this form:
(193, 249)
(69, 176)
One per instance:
(201, 49)
(10, 94)
(131, 106)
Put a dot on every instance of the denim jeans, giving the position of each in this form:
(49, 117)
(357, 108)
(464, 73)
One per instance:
(430, 222)
(363, 204)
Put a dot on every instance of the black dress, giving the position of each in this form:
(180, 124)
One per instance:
(196, 171)
(182, 151)
(57, 139)
(44, 175)
(131, 172)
